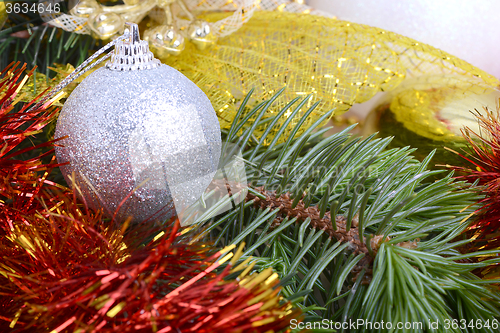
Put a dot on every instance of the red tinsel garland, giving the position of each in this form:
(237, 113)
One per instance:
(485, 156)
(65, 268)
(20, 179)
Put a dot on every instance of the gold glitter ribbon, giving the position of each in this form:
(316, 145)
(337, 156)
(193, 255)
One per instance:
(337, 62)
(437, 107)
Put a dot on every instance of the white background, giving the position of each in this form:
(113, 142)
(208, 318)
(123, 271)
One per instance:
(468, 29)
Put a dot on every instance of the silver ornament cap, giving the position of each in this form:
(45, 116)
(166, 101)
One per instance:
(141, 140)
(132, 53)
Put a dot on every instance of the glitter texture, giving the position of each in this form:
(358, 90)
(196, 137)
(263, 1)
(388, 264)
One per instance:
(338, 63)
(138, 142)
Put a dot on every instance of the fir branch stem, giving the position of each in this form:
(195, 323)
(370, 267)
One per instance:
(284, 203)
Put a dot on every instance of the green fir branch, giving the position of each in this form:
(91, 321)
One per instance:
(28, 39)
(390, 255)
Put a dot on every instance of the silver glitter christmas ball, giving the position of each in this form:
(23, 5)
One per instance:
(140, 143)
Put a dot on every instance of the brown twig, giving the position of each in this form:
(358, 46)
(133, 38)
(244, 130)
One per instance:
(301, 212)
(341, 234)
(284, 203)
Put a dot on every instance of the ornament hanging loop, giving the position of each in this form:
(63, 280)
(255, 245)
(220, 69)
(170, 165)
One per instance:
(139, 57)
(133, 32)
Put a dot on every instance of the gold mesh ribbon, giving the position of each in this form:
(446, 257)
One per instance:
(438, 107)
(243, 10)
(240, 12)
(338, 62)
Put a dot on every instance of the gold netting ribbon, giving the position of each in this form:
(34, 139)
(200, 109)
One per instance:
(337, 62)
